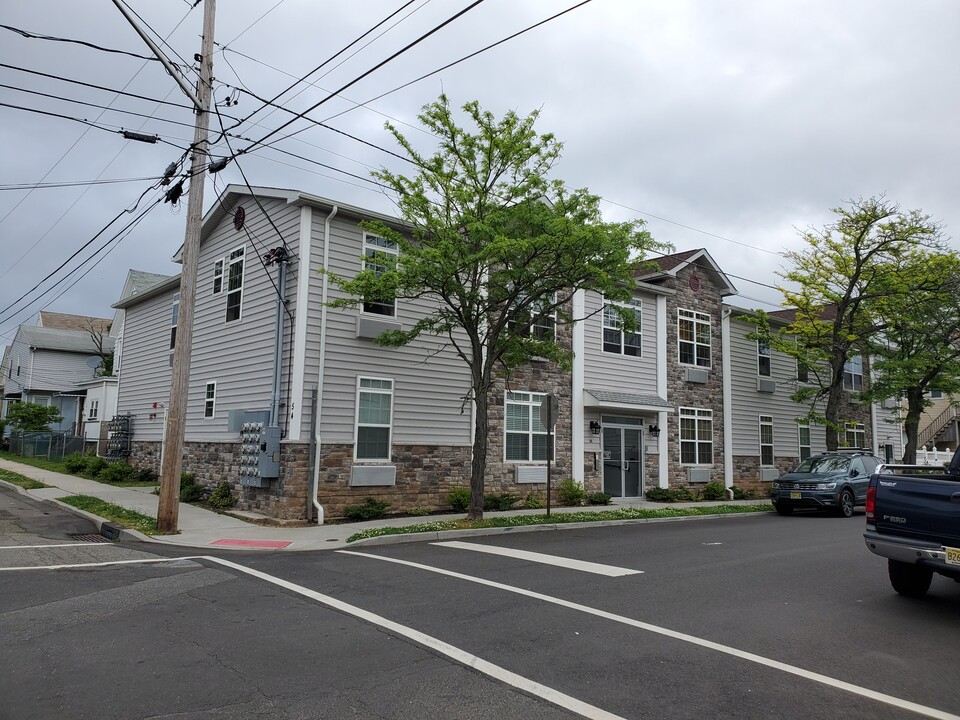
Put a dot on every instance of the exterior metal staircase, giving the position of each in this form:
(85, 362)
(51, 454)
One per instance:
(936, 426)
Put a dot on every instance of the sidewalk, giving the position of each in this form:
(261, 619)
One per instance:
(201, 528)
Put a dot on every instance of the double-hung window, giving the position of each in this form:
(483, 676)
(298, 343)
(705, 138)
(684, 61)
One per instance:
(526, 436)
(218, 276)
(693, 335)
(696, 436)
(210, 400)
(174, 314)
(234, 284)
(534, 321)
(615, 338)
(856, 435)
(374, 418)
(766, 440)
(763, 358)
(377, 252)
(853, 374)
(93, 412)
(803, 432)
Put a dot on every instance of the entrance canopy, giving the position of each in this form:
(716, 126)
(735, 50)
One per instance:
(614, 400)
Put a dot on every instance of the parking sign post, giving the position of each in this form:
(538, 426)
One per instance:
(549, 409)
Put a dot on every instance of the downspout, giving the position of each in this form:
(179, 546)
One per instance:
(727, 400)
(323, 353)
(278, 337)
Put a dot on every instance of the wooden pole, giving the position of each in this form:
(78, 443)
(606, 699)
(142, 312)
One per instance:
(168, 510)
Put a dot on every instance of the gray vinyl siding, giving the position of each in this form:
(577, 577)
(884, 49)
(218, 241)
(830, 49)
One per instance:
(19, 352)
(604, 370)
(429, 387)
(42, 369)
(145, 370)
(748, 404)
(239, 355)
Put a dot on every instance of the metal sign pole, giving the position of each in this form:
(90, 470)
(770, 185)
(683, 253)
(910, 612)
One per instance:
(549, 409)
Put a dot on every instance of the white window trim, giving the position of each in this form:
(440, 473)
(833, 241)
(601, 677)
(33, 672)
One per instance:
(766, 421)
(853, 375)
(698, 318)
(534, 407)
(356, 419)
(226, 281)
(856, 428)
(93, 412)
(636, 304)
(213, 400)
(800, 445)
(222, 263)
(696, 441)
(386, 251)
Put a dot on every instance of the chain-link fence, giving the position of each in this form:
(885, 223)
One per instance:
(53, 446)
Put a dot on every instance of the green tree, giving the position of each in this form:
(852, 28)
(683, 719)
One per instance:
(497, 249)
(32, 417)
(845, 271)
(920, 347)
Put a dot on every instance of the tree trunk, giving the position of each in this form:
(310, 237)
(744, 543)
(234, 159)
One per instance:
(911, 424)
(832, 414)
(478, 467)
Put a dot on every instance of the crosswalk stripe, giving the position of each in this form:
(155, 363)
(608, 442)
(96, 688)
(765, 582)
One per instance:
(543, 558)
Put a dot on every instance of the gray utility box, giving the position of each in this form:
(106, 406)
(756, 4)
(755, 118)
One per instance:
(259, 454)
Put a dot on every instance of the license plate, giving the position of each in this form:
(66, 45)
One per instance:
(953, 555)
(796, 496)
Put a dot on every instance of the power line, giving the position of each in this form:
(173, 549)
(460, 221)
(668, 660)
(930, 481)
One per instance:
(72, 183)
(37, 36)
(365, 74)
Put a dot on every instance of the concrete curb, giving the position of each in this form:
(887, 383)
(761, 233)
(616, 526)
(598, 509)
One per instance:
(435, 535)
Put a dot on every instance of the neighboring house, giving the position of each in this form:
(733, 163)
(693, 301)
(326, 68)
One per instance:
(938, 426)
(678, 402)
(45, 365)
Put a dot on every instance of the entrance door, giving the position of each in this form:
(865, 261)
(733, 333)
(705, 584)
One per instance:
(622, 476)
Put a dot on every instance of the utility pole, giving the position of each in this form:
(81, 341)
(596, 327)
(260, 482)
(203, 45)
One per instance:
(168, 511)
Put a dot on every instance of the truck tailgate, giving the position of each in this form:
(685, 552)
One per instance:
(926, 509)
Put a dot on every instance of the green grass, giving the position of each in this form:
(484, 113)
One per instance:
(24, 482)
(561, 517)
(57, 466)
(128, 518)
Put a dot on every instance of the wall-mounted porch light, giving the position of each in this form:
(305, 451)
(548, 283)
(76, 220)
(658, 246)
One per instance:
(594, 427)
(654, 431)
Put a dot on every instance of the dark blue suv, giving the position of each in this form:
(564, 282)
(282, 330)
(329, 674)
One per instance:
(833, 481)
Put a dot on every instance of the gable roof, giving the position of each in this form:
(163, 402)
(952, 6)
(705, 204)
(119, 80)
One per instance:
(65, 321)
(139, 281)
(670, 265)
(78, 341)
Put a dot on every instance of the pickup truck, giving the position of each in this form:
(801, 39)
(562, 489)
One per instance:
(913, 520)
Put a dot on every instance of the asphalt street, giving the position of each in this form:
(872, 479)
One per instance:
(745, 617)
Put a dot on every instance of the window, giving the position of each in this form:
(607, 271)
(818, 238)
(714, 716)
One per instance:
(93, 412)
(803, 431)
(803, 372)
(696, 436)
(374, 417)
(173, 320)
(18, 366)
(853, 374)
(526, 437)
(541, 327)
(234, 284)
(218, 277)
(766, 440)
(375, 248)
(210, 400)
(856, 435)
(763, 358)
(693, 334)
(936, 394)
(615, 340)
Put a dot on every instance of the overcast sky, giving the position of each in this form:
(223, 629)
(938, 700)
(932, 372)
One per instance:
(724, 125)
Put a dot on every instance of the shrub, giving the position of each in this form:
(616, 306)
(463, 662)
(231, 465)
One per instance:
(714, 491)
(94, 466)
(75, 462)
(459, 499)
(599, 498)
(533, 501)
(659, 494)
(371, 509)
(684, 494)
(146, 475)
(190, 491)
(117, 472)
(570, 492)
(740, 494)
(499, 501)
(222, 496)
(419, 511)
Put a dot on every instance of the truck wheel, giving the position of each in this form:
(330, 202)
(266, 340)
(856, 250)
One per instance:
(908, 579)
(783, 509)
(845, 508)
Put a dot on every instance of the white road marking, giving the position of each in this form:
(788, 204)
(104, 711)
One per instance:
(569, 563)
(684, 637)
(34, 547)
(456, 654)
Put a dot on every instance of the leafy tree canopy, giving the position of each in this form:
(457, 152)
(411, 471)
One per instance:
(32, 417)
